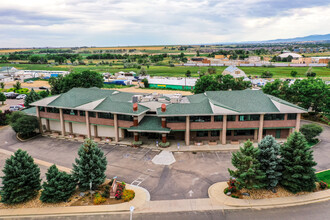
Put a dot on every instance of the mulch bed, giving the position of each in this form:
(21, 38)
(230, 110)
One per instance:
(267, 194)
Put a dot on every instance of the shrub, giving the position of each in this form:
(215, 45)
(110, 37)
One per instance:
(167, 144)
(2, 98)
(226, 190)
(310, 131)
(26, 126)
(294, 73)
(4, 117)
(119, 191)
(323, 185)
(59, 186)
(128, 195)
(232, 185)
(146, 83)
(266, 74)
(233, 196)
(98, 199)
(137, 143)
(106, 193)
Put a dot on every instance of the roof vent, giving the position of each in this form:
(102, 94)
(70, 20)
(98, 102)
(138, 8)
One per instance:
(163, 108)
(135, 107)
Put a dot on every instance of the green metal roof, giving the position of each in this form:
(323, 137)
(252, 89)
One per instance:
(108, 105)
(30, 111)
(201, 108)
(243, 101)
(151, 124)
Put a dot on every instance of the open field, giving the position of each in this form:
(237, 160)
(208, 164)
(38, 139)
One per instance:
(12, 50)
(178, 71)
(125, 48)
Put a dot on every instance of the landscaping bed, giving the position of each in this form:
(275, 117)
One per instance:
(266, 194)
(77, 199)
(324, 176)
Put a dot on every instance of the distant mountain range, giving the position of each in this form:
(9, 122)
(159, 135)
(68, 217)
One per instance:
(299, 39)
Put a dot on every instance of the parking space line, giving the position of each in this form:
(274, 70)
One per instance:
(142, 177)
(216, 153)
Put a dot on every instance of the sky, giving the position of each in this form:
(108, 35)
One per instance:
(69, 23)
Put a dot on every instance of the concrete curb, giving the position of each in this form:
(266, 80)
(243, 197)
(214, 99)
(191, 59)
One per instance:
(216, 194)
(25, 140)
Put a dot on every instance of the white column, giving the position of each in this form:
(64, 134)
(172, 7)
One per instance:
(88, 126)
(261, 127)
(115, 118)
(298, 122)
(187, 136)
(224, 130)
(62, 122)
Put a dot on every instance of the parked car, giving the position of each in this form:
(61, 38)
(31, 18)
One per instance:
(42, 87)
(11, 95)
(30, 81)
(14, 108)
(22, 105)
(21, 96)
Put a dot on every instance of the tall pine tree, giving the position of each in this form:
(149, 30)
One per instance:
(270, 161)
(21, 180)
(298, 173)
(31, 97)
(59, 186)
(248, 173)
(90, 166)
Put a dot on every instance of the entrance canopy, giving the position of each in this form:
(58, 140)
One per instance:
(150, 124)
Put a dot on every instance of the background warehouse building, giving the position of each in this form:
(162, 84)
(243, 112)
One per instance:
(221, 116)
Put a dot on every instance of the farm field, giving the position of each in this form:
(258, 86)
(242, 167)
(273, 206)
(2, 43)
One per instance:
(178, 71)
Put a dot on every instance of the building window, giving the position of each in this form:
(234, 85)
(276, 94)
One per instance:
(92, 114)
(53, 110)
(202, 133)
(125, 117)
(105, 115)
(200, 118)
(70, 112)
(176, 119)
(218, 118)
(228, 133)
(249, 117)
(215, 133)
(231, 118)
(243, 132)
(271, 117)
(292, 116)
(82, 113)
(41, 108)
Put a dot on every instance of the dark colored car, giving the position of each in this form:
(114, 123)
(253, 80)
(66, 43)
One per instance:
(42, 87)
(13, 95)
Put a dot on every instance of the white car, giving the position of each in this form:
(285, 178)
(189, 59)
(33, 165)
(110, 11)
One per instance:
(14, 108)
(21, 96)
(30, 81)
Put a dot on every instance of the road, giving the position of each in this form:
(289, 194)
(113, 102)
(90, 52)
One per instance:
(316, 211)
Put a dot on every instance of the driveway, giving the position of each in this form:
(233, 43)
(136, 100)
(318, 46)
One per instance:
(189, 177)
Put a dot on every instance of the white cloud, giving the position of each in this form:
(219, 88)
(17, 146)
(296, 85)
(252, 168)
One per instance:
(129, 22)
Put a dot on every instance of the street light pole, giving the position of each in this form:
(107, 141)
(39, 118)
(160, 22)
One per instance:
(131, 209)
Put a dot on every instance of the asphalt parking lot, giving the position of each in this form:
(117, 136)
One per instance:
(10, 102)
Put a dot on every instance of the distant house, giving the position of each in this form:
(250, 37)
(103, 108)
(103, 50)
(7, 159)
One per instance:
(286, 55)
(6, 78)
(234, 71)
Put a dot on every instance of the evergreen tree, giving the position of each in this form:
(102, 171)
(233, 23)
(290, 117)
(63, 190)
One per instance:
(270, 161)
(248, 173)
(298, 173)
(59, 186)
(31, 97)
(90, 166)
(21, 180)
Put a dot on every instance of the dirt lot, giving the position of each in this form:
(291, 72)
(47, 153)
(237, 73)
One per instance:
(29, 85)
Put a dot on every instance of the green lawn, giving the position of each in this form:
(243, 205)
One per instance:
(178, 71)
(324, 176)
